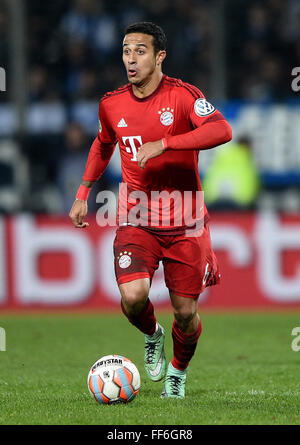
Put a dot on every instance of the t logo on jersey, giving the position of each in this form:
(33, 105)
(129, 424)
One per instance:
(132, 148)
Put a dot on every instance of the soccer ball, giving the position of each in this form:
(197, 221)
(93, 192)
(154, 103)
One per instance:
(113, 379)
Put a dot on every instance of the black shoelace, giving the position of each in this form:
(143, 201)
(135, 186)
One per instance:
(150, 349)
(175, 383)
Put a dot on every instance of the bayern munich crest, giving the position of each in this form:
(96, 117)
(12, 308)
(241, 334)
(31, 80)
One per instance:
(166, 116)
(203, 108)
(124, 259)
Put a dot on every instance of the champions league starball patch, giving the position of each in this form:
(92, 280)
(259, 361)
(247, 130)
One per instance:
(203, 108)
(124, 259)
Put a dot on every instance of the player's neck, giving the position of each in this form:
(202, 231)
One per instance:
(149, 87)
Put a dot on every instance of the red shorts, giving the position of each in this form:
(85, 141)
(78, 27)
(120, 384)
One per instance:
(189, 262)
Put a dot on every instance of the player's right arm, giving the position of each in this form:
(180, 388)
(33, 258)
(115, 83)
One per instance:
(99, 156)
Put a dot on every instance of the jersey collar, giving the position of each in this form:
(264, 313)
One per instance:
(154, 93)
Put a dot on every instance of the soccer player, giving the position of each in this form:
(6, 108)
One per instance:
(160, 124)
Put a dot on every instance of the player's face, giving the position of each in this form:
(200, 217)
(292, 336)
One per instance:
(139, 58)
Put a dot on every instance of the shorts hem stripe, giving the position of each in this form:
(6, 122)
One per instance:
(132, 276)
(185, 295)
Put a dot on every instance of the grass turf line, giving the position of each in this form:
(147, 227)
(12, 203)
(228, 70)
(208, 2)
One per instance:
(244, 371)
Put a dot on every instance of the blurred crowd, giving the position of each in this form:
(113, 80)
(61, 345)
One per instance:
(73, 52)
(263, 46)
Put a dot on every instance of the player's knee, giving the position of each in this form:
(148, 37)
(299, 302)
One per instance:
(134, 295)
(184, 317)
(134, 300)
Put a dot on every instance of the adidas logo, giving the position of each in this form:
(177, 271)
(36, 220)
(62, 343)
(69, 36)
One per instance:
(122, 123)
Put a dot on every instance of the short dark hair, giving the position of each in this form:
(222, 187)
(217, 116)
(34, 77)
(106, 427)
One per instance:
(159, 37)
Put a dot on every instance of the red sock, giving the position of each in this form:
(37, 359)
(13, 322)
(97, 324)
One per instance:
(145, 321)
(184, 345)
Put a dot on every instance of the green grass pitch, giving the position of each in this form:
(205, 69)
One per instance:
(244, 371)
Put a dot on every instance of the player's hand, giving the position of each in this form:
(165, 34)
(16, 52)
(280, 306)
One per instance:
(148, 151)
(78, 213)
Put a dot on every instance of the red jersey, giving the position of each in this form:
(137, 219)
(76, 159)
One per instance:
(176, 113)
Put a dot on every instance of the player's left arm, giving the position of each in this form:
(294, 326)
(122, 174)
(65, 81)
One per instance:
(210, 127)
(210, 130)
